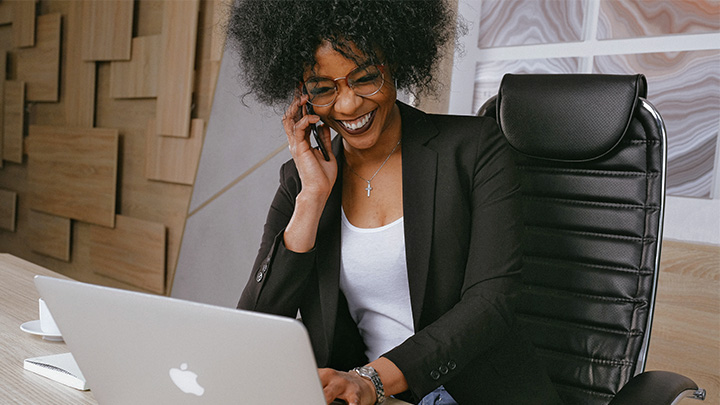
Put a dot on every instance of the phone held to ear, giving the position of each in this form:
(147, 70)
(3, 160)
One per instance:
(314, 131)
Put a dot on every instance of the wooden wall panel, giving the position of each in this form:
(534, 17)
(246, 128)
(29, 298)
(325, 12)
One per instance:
(107, 27)
(6, 12)
(73, 172)
(50, 235)
(84, 101)
(133, 252)
(209, 52)
(13, 121)
(3, 70)
(79, 75)
(138, 77)
(174, 159)
(23, 23)
(175, 84)
(217, 32)
(8, 210)
(39, 66)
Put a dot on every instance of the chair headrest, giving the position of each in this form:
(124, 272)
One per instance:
(567, 117)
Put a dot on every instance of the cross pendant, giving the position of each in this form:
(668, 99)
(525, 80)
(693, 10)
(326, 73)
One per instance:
(368, 188)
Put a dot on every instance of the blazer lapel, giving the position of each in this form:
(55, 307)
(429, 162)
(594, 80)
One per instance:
(328, 259)
(419, 175)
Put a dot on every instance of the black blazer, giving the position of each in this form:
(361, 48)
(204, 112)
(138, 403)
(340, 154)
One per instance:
(462, 238)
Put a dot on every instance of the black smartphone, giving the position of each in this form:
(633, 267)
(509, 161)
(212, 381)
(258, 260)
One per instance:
(314, 131)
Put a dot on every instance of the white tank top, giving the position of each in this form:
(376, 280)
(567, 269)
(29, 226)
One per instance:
(373, 277)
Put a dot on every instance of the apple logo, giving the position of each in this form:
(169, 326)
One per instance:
(186, 380)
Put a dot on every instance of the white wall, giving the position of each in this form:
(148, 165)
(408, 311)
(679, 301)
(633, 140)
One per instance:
(237, 177)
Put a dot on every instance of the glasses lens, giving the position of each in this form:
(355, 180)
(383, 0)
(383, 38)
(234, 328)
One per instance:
(320, 91)
(366, 81)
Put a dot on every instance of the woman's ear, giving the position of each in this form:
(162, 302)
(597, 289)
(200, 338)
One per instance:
(391, 69)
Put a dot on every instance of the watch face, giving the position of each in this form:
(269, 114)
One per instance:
(367, 371)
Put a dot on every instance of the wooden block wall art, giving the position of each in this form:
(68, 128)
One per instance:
(107, 28)
(79, 75)
(173, 159)
(13, 121)
(6, 12)
(72, 172)
(8, 210)
(39, 66)
(134, 252)
(177, 61)
(137, 78)
(50, 235)
(23, 23)
(221, 13)
(3, 69)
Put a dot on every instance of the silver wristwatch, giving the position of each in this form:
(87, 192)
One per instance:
(372, 375)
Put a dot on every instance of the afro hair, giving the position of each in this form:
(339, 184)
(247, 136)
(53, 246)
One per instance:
(276, 40)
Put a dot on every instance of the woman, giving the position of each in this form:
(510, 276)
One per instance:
(401, 250)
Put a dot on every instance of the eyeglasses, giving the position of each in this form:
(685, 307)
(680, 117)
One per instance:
(365, 81)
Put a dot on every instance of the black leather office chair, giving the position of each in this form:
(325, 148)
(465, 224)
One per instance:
(591, 152)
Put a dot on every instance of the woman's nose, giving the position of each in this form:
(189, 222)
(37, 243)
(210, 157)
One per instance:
(347, 101)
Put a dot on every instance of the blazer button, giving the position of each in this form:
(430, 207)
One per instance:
(259, 276)
(451, 365)
(435, 375)
(443, 369)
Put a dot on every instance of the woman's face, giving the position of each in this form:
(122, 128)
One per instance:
(363, 122)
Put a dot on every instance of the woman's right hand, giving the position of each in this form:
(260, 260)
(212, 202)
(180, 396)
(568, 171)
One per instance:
(316, 174)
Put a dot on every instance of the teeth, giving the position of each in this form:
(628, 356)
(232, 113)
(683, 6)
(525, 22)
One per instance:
(358, 123)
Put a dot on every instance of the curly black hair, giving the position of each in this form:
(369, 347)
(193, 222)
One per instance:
(276, 40)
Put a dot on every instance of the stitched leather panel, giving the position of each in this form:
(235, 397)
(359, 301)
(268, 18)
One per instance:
(584, 341)
(585, 185)
(587, 247)
(592, 310)
(596, 279)
(579, 369)
(605, 218)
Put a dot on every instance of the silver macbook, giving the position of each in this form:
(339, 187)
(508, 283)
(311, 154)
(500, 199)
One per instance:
(136, 348)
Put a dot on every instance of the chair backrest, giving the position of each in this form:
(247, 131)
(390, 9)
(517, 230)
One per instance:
(591, 153)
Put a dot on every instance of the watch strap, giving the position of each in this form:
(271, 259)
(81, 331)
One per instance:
(372, 375)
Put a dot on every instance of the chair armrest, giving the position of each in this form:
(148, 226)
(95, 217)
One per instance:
(656, 387)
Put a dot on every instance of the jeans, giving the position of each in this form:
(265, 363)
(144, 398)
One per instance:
(438, 397)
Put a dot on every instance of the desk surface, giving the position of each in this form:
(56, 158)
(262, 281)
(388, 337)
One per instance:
(18, 304)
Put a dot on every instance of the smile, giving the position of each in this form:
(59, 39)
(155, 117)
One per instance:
(360, 124)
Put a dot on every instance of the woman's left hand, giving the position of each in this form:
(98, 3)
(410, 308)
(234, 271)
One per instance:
(348, 386)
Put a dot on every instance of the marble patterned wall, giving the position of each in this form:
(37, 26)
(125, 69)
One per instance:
(638, 18)
(683, 85)
(542, 22)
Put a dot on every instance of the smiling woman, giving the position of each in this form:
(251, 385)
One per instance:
(401, 250)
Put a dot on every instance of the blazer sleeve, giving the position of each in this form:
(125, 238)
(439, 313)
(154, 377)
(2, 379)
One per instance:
(482, 316)
(279, 276)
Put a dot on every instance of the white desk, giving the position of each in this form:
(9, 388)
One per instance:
(19, 304)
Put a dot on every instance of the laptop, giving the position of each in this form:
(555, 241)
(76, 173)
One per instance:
(136, 348)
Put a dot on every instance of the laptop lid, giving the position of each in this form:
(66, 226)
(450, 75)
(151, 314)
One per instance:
(141, 348)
